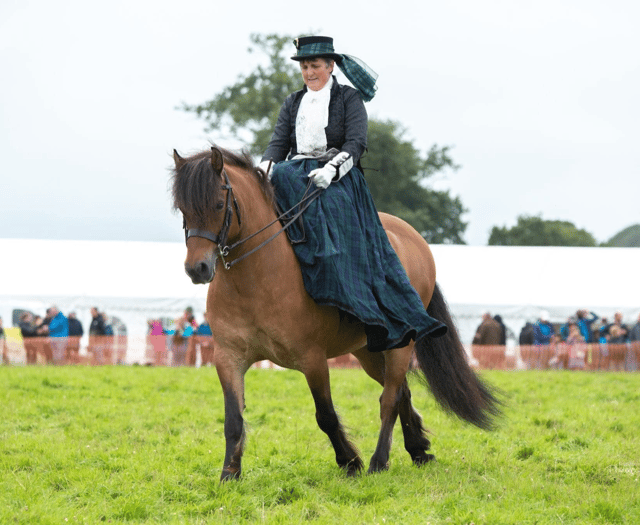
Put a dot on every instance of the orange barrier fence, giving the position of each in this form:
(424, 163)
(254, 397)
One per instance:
(101, 350)
(168, 350)
(582, 356)
(197, 350)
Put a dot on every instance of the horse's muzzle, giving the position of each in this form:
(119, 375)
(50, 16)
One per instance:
(201, 272)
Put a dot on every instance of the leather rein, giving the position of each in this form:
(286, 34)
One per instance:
(222, 237)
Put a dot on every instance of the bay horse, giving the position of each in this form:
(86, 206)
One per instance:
(258, 309)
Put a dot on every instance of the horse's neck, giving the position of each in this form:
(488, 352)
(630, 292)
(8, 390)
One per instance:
(272, 268)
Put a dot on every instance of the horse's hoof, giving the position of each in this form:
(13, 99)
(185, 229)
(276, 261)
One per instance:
(353, 468)
(423, 459)
(229, 474)
(376, 466)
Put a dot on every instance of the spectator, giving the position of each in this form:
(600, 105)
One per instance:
(564, 329)
(109, 340)
(526, 334)
(3, 344)
(634, 340)
(75, 333)
(503, 337)
(158, 340)
(42, 331)
(204, 328)
(572, 353)
(489, 332)
(58, 334)
(29, 331)
(97, 323)
(179, 342)
(543, 336)
(616, 335)
(634, 333)
(487, 347)
(585, 324)
(108, 329)
(206, 342)
(543, 331)
(617, 331)
(97, 336)
(190, 328)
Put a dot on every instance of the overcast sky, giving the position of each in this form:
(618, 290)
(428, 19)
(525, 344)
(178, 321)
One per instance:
(538, 100)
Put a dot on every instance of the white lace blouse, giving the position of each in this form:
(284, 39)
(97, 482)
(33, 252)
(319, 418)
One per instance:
(312, 119)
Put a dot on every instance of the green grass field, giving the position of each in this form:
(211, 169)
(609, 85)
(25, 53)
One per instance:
(145, 445)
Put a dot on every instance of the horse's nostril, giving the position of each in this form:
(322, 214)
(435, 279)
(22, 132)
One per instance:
(203, 268)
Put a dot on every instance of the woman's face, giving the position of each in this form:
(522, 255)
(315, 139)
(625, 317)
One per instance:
(316, 73)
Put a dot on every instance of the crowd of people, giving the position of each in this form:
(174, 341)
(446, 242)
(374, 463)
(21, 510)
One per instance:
(584, 340)
(575, 343)
(55, 337)
(177, 341)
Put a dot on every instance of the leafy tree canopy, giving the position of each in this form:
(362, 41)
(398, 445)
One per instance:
(627, 238)
(534, 231)
(395, 170)
(252, 104)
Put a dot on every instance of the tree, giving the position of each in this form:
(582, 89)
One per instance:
(252, 104)
(534, 231)
(397, 172)
(627, 238)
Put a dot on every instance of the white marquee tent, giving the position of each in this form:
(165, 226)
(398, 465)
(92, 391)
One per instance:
(136, 281)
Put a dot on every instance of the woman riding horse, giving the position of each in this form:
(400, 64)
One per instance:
(358, 283)
(343, 250)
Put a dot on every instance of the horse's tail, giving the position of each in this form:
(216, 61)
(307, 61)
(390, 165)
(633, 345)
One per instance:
(453, 383)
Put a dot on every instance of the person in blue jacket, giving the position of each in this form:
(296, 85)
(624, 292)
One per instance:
(58, 334)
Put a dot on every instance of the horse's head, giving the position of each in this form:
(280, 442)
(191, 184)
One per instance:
(201, 191)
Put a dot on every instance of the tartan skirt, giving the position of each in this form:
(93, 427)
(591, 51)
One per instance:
(346, 258)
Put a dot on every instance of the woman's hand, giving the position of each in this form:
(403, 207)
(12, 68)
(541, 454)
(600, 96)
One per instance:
(333, 170)
(322, 177)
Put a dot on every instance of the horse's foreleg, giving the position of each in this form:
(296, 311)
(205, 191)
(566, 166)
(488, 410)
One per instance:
(395, 371)
(232, 382)
(346, 454)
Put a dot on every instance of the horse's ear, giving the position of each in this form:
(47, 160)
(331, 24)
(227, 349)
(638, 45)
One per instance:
(216, 160)
(177, 159)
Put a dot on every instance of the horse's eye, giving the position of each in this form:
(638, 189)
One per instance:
(220, 206)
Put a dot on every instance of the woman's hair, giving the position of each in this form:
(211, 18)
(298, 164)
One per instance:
(327, 60)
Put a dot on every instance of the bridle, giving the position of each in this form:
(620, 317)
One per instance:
(221, 238)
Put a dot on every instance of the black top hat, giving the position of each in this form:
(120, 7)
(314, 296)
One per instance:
(310, 47)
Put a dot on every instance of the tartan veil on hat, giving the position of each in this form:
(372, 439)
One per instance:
(359, 74)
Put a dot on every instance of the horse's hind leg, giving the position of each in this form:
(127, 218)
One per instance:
(346, 454)
(415, 440)
(396, 366)
(389, 369)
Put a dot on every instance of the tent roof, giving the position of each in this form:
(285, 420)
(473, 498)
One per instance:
(539, 276)
(468, 275)
(95, 269)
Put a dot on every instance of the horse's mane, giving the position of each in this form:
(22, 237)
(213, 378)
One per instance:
(195, 186)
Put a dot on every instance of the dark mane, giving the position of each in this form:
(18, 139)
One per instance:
(195, 186)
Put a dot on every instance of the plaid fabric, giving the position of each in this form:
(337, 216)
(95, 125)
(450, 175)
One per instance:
(347, 260)
(315, 48)
(360, 75)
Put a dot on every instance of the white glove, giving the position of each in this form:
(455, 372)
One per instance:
(264, 166)
(322, 177)
(333, 170)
